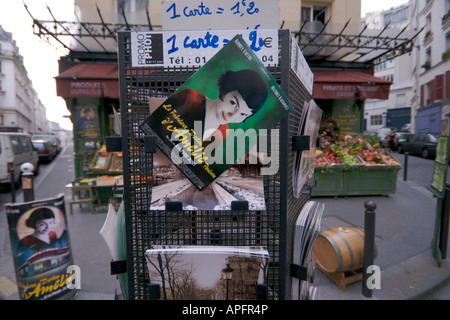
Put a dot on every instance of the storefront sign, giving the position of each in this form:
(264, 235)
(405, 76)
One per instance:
(347, 114)
(195, 48)
(87, 88)
(350, 91)
(219, 14)
(41, 248)
(338, 84)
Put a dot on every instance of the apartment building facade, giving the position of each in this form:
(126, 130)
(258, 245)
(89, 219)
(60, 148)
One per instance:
(432, 66)
(396, 110)
(20, 107)
(421, 79)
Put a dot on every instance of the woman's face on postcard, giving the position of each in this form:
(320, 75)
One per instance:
(233, 109)
(44, 225)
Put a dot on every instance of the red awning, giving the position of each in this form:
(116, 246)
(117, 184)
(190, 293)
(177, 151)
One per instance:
(335, 84)
(89, 80)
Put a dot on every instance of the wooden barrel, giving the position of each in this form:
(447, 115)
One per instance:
(339, 249)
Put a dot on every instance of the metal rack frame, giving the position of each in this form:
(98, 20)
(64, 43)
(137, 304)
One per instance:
(272, 228)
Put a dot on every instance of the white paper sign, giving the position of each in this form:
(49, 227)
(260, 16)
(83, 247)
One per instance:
(219, 14)
(300, 66)
(195, 48)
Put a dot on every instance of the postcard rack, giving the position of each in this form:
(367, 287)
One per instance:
(272, 228)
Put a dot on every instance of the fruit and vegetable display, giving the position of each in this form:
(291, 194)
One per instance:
(352, 164)
(104, 161)
(116, 164)
(352, 150)
(83, 181)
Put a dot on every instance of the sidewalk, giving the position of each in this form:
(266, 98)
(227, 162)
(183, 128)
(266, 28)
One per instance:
(404, 231)
(403, 234)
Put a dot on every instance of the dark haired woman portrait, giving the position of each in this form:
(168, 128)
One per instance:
(42, 220)
(241, 95)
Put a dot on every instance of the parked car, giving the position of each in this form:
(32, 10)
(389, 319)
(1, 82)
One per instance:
(402, 137)
(45, 150)
(423, 143)
(383, 132)
(406, 127)
(16, 149)
(51, 138)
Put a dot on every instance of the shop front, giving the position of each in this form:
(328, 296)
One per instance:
(349, 162)
(91, 92)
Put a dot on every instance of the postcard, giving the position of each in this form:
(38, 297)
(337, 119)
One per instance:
(207, 272)
(216, 116)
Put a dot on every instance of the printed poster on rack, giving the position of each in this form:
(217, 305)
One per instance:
(241, 182)
(86, 122)
(41, 248)
(216, 116)
(197, 272)
(304, 160)
(439, 180)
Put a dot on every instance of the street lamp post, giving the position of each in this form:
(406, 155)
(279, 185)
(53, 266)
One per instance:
(227, 274)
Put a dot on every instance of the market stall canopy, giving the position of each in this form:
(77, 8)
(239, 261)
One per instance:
(338, 84)
(332, 43)
(89, 80)
(319, 42)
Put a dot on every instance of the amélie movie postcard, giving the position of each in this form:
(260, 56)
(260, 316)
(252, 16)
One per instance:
(213, 119)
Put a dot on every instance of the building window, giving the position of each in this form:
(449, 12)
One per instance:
(428, 23)
(314, 13)
(141, 4)
(428, 54)
(427, 93)
(126, 6)
(396, 16)
(306, 14)
(389, 77)
(376, 120)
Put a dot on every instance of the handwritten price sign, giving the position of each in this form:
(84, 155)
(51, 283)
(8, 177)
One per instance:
(219, 14)
(195, 48)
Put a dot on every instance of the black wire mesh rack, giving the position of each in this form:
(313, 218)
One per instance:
(272, 228)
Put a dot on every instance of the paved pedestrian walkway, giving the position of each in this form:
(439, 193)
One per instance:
(403, 234)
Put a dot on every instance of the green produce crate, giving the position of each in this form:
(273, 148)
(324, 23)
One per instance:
(373, 180)
(329, 181)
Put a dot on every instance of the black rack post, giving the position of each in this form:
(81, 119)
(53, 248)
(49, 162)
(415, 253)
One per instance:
(369, 244)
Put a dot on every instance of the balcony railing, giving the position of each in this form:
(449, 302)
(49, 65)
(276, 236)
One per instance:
(428, 37)
(446, 20)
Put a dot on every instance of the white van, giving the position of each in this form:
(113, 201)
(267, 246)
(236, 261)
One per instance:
(16, 149)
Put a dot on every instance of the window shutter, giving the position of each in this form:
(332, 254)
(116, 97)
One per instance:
(433, 91)
(439, 87)
(422, 95)
(447, 84)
